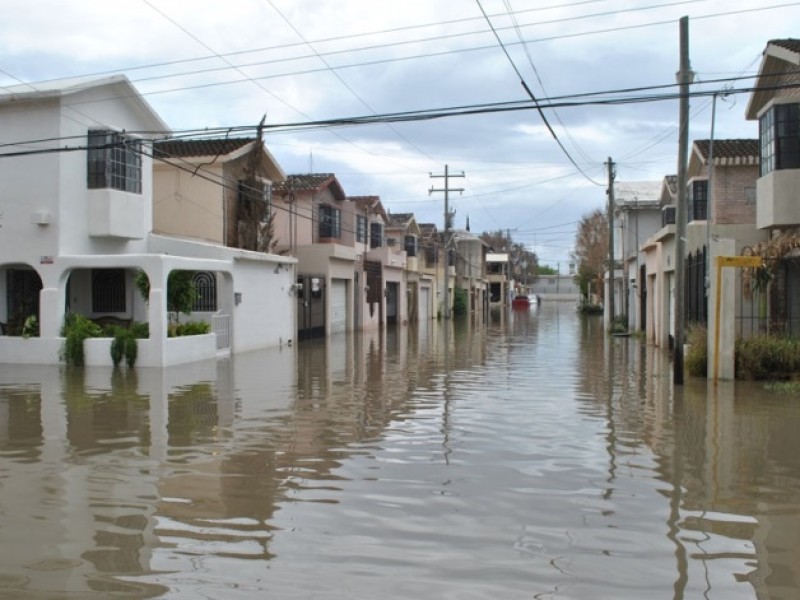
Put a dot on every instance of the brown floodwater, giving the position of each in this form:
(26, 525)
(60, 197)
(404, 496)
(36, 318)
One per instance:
(528, 457)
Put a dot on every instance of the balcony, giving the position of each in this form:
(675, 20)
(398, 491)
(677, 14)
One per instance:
(388, 256)
(776, 199)
(116, 214)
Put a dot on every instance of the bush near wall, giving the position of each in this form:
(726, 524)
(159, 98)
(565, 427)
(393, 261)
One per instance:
(767, 358)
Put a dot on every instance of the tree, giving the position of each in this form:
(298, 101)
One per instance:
(181, 292)
(591, 253)
(255, 216)
(545, 270)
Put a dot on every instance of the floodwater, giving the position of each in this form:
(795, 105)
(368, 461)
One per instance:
(530, 457)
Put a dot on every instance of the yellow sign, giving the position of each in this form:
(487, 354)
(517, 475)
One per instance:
(739, 261)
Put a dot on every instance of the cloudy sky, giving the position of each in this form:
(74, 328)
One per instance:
(227, 64)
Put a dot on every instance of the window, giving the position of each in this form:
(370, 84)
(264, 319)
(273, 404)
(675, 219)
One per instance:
(114, 161)
(255, 200)
(698, 200)
(779, 134)
(375, 235)
(431, 253)
(108, 290)
(411, 245)
(205, 284)
(668, 215)
(330, 222)
(361, 229)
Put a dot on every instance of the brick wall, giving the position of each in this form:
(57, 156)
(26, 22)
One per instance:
(733, 191)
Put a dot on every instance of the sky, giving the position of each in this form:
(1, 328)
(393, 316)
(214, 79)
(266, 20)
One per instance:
(531, 170)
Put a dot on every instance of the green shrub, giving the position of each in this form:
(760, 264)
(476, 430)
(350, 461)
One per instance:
(767, 357)
(587, 308)
(76, 328)
(124, 345)
(30, 328)
(460, 301)
(190, 328)
(619, 324)
(696, 359)
(140, 330)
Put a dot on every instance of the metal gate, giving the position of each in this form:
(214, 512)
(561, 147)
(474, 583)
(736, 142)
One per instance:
(310, 306)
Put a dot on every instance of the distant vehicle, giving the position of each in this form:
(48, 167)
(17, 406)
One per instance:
(521, 301)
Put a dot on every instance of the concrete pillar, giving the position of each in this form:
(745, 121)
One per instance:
(51, 312)
(727, 315)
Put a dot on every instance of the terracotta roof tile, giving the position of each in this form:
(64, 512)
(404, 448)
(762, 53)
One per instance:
(365, 202)
(735, 152)
(399, 219)
(194, 148)
(309, 182)
(791, 44)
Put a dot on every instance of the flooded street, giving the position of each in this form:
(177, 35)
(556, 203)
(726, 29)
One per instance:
(532, 457)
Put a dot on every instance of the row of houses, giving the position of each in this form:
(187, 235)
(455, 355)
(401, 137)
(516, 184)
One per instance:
(96, 189)
(743, 199)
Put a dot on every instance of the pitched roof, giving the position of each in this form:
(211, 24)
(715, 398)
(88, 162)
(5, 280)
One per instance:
(669, 190)
(369, 204)
(63, 88)
(778, 64)
(195, 148)
(428, 229)
(729, 152)
(398, 219)
(790, 44)
(310, 182)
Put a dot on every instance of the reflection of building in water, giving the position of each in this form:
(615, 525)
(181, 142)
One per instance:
(729, 454)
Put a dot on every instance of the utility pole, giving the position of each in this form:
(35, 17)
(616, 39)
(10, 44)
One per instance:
(446, 189)
(684, 79)
(612, 173)
(508, 267)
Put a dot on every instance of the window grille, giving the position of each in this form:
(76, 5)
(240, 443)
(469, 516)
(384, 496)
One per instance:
(205, 283)
(375, 235)
(361, 229)
(108, 290)
(411, 245)
(330, 223)
(114, 161)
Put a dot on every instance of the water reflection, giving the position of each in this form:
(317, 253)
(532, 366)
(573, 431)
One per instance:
(527, 456)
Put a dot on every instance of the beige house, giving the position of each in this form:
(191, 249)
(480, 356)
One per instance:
(316, 223)
(420, 283)
(370, 297)
(431, 265)
(659, 263)
(205, 190)
(470, 269)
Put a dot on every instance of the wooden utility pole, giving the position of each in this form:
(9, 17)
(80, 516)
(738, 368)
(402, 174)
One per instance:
(612, 173)
(446, 189)
(684, 79)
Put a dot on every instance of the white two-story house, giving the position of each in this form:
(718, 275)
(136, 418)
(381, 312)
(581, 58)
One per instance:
(76, 175)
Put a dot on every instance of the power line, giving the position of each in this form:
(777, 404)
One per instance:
(381, 33)
(344, 83)
(586, 99)
(533, 97)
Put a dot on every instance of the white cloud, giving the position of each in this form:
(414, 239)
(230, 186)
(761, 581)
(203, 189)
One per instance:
(411, 56)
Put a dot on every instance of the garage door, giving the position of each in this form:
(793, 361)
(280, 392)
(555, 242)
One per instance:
(424, 304)
(338, 299)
